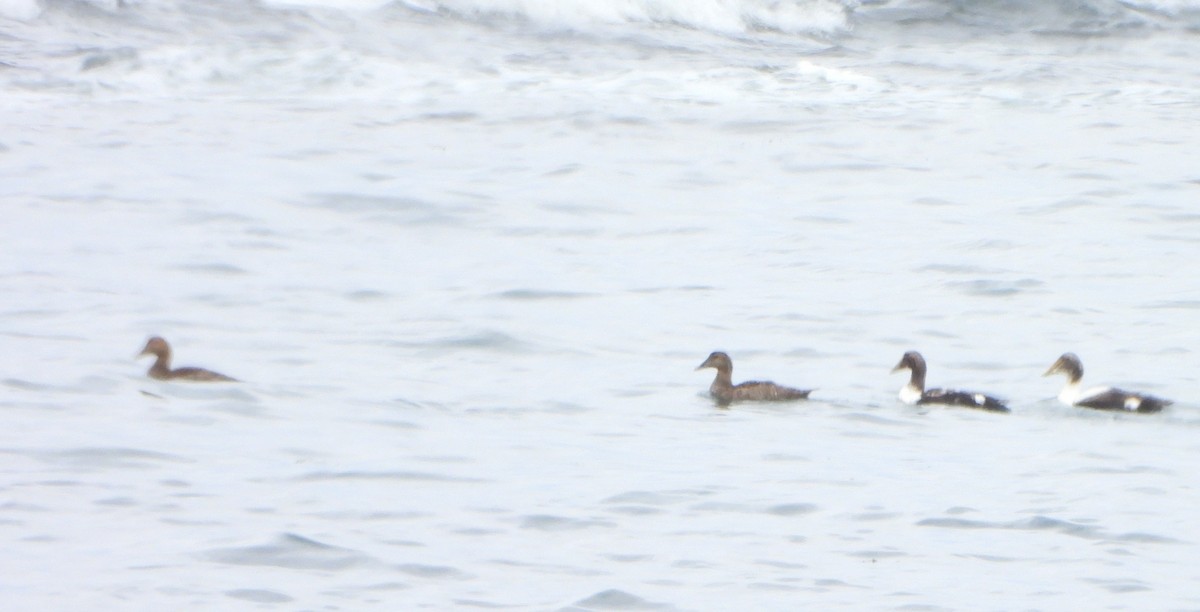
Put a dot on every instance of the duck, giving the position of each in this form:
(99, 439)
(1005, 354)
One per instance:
(1100, 398)
(161, 370)
(725, 392)
(914, 392)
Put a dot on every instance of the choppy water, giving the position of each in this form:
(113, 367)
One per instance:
(467, 256)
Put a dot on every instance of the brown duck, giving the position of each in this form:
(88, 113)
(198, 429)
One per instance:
(725, 392)
(161, 370)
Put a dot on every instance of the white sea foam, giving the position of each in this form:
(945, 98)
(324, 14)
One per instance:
(808, 16)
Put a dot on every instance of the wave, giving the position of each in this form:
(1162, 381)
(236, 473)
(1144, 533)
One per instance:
(718, 16)
(826, 18)
(418, 49)
(833, 17)
(1090, 17)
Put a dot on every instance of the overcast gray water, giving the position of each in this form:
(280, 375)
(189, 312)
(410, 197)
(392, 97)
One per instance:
(467, 260)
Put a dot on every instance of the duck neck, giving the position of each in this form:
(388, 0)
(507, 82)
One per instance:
(724, 378)
(917, 380)
(162, 363)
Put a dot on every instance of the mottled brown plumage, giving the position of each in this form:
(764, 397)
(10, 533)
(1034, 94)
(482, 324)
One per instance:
(725, 392)
(161, 370)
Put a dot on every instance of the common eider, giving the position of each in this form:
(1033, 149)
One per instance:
(161, 370)
(1100, 398)
(725, 392)
(914, 392)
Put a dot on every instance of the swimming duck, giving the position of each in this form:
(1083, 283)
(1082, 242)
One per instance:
(914, 392)
(161, 370)
(1100, 398)
(725, 392)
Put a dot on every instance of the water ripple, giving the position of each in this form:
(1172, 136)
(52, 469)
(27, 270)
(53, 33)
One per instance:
(1046, 523)
(541, 294)
(258, 596)
(656, 498)
(99, 457)
(791, 509)
(293, 552)
(394, 475)
(994, 288)
(615, 599)
(547, 522)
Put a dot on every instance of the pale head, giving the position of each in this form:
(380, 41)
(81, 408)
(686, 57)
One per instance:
(911, 360)
(1069, 365)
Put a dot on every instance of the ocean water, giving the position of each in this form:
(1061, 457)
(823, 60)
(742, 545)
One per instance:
(466, 256)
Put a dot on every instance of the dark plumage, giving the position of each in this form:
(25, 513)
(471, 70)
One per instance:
(161, 370)
(725, 392)
(914, 392)
(1100, 398)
